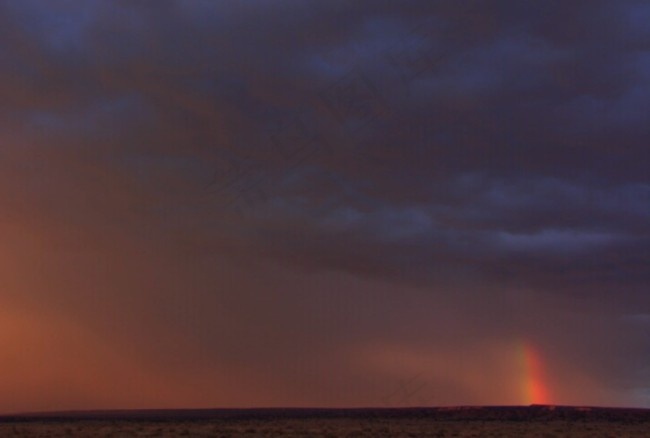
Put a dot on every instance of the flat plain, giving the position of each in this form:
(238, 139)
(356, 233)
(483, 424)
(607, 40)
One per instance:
(533, 421)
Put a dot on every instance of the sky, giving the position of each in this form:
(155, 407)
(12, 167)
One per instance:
(324, 203)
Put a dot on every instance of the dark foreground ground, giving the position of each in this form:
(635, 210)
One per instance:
(531, 421)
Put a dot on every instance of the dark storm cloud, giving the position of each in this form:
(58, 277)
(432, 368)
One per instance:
(318, 183)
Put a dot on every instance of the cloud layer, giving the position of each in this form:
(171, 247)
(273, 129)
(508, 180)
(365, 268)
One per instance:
(309, 203)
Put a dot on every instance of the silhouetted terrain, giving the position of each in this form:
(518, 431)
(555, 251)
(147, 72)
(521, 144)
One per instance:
(529, 421)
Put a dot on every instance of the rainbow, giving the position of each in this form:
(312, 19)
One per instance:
(535, 390)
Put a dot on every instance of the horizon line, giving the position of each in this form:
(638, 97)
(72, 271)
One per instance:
(114, 411)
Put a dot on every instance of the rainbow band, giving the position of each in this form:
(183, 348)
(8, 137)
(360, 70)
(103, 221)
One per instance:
(535, 390)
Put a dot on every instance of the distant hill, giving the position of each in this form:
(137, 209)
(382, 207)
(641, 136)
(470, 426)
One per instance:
(459, 413)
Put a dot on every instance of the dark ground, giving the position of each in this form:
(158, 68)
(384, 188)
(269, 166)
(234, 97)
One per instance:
(531, 421)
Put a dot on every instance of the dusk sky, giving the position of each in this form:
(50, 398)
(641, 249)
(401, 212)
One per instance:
(327, 203)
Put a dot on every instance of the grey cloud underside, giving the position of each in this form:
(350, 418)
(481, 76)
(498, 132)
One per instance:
(484, 128)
